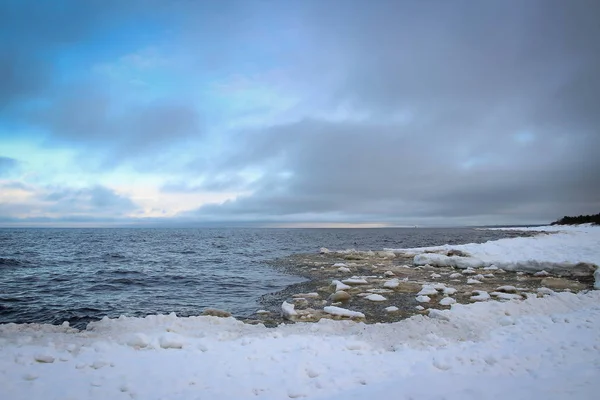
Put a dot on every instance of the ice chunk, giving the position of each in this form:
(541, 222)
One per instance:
(355, 281)
(471, 281)
(427, 290)
(392, 283)
(480, 295)
(450, 291)
(506, 296)
(423, 299)
(440, 260)
(375, 297)
(170, 341)
(343, 269)
(43, 358)
(288, 311)
(507, 289)
(437, 314)
(340, 286)
(342, 312)
(391, 309)
(446, 301)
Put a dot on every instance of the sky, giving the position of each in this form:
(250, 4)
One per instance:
(298, 113)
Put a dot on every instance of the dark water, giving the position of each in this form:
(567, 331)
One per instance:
(79, 275)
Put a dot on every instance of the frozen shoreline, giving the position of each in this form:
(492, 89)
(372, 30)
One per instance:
(539, 347)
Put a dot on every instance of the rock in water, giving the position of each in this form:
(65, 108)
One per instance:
(561, 283)
(214, 312)
(340, 295)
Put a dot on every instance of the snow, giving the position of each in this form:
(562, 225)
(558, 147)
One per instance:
(343, 269)
(391, 309)
(546, 347)
(566, 250)
(342, 312)
(539, 347)
(472, 281)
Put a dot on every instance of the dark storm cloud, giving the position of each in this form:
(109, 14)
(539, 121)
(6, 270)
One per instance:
(501, 117)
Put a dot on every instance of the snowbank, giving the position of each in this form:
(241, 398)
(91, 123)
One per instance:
(536, 348)
(568, 250)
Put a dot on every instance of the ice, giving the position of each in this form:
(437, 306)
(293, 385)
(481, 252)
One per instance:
(342, 312)
(391, 309)
(355, 281)
(340, 286)
(506, 296)
(446, 301)
(507, 289)
(472, 281)
(288, 311)
(423, 299)
(450, 291)
(392, 283)
(375, 297)
(343, 269)
(480, 295)
(427, 290)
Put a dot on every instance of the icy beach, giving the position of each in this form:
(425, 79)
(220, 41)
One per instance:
(544, 346)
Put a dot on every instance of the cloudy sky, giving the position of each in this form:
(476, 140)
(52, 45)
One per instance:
(298, 113)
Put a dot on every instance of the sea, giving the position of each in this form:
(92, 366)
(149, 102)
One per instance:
(81, 275)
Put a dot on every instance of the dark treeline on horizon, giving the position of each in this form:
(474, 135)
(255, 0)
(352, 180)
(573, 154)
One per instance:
(582, 219)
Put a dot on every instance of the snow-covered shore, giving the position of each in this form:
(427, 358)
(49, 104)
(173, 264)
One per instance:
(562, 252)
(545, 347)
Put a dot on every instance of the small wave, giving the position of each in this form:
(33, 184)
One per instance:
(115, 255)
(103, 287)
(118, 272)
(10, 262)
(129, 281)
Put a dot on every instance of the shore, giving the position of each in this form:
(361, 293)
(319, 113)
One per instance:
(518, 338)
